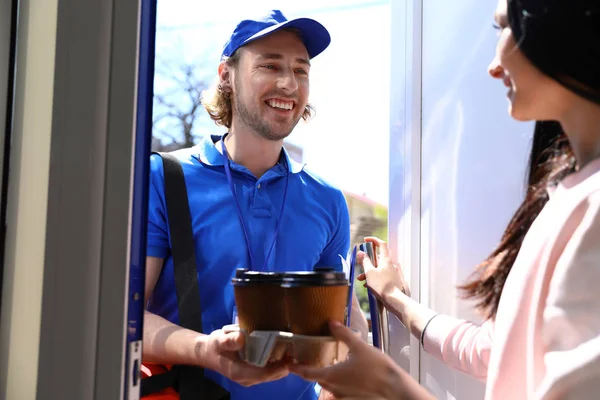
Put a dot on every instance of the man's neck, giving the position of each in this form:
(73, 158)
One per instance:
(252, 151)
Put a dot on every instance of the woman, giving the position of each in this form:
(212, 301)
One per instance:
(544, 312)
(458, 343)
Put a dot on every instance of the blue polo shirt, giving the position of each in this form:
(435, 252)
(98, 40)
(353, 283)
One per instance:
(314, 231)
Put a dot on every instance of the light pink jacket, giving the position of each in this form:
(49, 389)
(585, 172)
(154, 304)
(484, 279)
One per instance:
(546, 336)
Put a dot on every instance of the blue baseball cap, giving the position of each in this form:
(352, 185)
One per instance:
(314, 35)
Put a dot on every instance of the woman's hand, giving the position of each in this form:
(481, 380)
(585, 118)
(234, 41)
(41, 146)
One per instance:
(367, 374)
(386, 277)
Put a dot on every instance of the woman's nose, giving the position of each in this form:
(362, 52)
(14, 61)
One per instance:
(495, 69)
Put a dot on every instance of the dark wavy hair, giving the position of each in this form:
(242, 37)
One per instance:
(562, 39)
(551, 159)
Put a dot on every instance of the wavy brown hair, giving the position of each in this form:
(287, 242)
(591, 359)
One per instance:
(551, 159)
(217, 101)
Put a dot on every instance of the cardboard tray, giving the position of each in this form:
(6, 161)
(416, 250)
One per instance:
(263, 347)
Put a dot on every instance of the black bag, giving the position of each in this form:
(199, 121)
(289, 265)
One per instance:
(188, 381)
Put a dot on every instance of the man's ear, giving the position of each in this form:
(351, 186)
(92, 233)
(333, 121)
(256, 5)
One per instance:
(225, 76)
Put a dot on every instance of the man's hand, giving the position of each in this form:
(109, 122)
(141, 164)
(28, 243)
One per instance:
(221, 356)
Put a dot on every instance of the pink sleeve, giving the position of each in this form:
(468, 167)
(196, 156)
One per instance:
(571, 318)
(460, 344)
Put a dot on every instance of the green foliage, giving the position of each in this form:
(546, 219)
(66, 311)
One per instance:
(361, 291)
(381, 213)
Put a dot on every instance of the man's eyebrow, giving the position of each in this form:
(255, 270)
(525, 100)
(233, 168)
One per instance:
(271, 56)
(303, 61)
(276, 56)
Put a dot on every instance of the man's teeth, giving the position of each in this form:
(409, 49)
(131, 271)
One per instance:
(281, 105)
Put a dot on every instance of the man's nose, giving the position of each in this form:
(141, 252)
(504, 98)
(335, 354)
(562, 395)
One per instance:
(287, 81)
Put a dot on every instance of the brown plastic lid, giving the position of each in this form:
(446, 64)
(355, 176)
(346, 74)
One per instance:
(323, 276)
(246, 277)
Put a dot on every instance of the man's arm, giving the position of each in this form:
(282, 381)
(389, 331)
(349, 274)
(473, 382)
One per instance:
(167, 343)
(338, 246)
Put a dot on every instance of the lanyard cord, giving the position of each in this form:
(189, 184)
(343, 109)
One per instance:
(240, 215)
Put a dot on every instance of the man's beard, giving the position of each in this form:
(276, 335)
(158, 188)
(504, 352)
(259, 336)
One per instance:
(263, 128)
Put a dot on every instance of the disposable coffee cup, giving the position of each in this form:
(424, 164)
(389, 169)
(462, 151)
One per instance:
(313, 299)
(260, 300)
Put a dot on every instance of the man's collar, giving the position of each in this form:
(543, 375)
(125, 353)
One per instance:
(207, 151)
(209, 154)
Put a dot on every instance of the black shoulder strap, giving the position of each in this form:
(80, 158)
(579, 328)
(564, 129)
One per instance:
(188, 380)
(182, 244)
